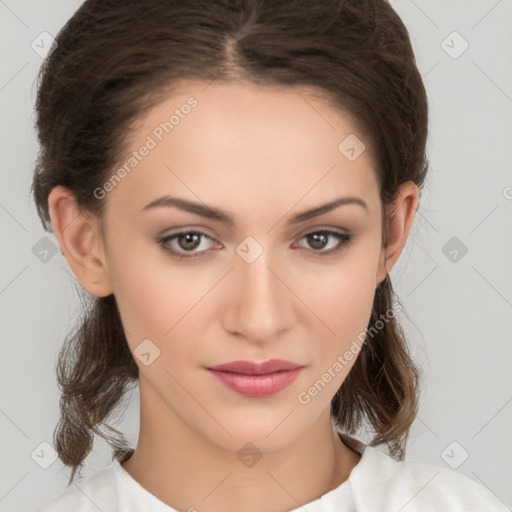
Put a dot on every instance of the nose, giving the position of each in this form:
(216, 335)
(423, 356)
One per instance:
(260, 307)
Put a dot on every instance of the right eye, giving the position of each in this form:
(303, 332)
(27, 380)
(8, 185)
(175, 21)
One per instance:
(185, 244)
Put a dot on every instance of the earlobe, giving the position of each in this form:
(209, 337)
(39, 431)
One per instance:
(80, 242)
(401, 214)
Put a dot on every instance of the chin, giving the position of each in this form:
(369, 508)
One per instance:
(267, 430)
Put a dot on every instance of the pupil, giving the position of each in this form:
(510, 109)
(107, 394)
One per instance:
(191, 240)
(319, 240)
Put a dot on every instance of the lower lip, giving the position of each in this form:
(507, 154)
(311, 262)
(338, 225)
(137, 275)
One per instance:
(257, 385)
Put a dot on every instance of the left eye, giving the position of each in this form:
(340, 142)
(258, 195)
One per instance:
(320, 240)
(188, 241)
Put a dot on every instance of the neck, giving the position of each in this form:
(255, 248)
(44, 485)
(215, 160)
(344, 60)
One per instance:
(187, 471)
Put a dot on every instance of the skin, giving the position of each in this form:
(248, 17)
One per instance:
(262, 155)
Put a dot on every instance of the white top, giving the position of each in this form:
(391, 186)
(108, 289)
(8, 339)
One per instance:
(376, 483)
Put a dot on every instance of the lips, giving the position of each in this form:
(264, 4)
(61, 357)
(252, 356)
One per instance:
(256, 380)
(250, 368)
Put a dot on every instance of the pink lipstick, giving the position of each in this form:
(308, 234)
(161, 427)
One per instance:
(256, 379)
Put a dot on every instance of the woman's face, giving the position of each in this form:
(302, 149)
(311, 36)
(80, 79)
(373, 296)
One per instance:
(262, 281)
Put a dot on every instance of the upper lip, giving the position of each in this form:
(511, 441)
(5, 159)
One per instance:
(252, 368)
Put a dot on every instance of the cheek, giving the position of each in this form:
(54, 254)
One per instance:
(343, 301)
(157, 298)
(341, 296)
(150, 294)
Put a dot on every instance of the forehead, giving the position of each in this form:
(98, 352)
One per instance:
(210, 140)
(258, 109)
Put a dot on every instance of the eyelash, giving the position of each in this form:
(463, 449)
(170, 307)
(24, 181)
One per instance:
(344, 238)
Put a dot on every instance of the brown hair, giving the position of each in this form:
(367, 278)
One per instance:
(116, 58)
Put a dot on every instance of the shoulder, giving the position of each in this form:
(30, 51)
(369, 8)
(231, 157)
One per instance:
(383, 483)
(95, 492)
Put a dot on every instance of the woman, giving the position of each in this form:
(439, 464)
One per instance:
(232, 182)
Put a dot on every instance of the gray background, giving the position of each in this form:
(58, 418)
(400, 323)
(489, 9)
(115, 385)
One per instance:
(459, 304)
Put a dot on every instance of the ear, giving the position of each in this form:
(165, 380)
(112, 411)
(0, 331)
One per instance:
(80, 242)
(401, 215)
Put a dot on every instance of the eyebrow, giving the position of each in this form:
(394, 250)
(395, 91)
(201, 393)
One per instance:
(217, 214)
